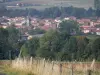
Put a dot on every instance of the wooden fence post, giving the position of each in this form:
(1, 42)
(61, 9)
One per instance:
(72, 69)
(43, 69)
(60, 69)
(52, 68)
(31, 61)
(89, 72)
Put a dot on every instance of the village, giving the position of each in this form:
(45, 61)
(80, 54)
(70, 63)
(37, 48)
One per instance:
(87, 25)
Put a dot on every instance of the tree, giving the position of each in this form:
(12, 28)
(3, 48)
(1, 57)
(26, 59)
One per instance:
(30, 47)
(13, 36)
(82, 42)
(69, 26)
(51, 44)
(88, 51)
(97, 7)
(70, 49)
(90, 12)
(4, 46)
(96, 49)
(48, 45)
(52, 12)
(36, 31)
(3, 9)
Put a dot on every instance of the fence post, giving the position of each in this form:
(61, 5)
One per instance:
(60, 69)
(89, 72)
(72, 69)
(52, 68)
(43, 68)
(31, 61)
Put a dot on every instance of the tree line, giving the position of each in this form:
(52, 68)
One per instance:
(67, 43)
(9, 44)
(52, 12)
(55, 45)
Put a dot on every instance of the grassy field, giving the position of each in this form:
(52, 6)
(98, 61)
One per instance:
(45, 67)
(6, 69)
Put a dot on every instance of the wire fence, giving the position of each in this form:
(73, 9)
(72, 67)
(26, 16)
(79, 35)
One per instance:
(46, 67)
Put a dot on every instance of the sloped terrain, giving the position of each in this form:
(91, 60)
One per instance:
(76, 3)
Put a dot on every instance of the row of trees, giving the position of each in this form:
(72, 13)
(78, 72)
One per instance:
(9, 44)
(11, 40)
(61, 45)
(56, 45)
(52, 12)
(65, 43)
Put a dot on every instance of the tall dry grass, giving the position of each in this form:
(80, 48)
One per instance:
(46, 67)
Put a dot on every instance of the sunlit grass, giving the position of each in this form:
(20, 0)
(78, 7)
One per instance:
(11, 71)
(45, 67)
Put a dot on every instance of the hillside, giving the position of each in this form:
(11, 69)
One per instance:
(65, 3)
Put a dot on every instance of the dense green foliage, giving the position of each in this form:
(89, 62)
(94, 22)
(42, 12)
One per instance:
(9, 43)
(57, 45)
(30, 47)
(36, 31)
(4, 48)
(70, 27)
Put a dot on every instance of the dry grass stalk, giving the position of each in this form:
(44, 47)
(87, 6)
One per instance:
(43, 67)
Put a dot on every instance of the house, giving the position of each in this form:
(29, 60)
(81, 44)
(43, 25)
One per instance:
(97, 32)
(87, 29)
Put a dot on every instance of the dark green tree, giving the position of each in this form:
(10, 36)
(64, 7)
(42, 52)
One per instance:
(13, 37)
(96, 49)
(51, 44)
(82, 42)
(36, 31)
(69, 26)
(30, 47)
(97, 7)
(70, 49)
(4, 46)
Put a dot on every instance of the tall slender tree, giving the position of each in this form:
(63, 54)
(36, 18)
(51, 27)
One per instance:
(97, 7)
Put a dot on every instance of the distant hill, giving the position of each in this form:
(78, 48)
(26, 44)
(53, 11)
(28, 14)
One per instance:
(65, 3)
